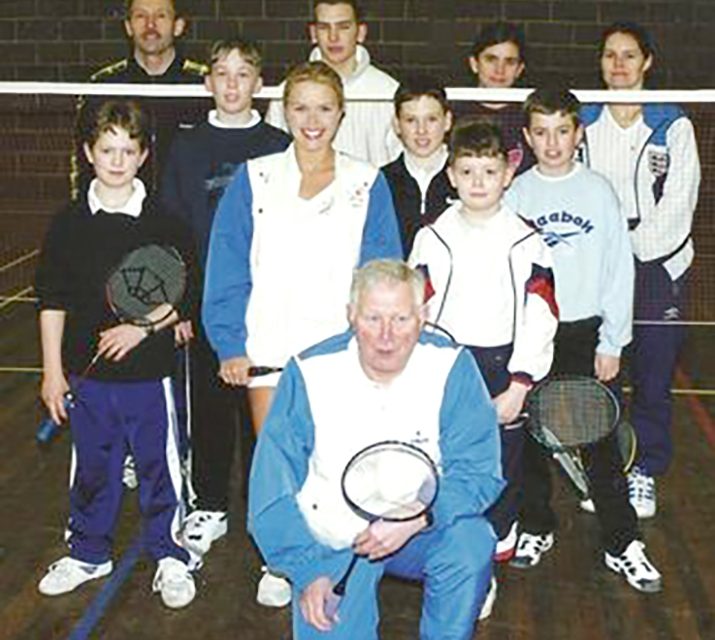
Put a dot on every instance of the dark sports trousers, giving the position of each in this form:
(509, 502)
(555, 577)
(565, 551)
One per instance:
(492, 362)
(574, 353)
(654, 355)
(108, 420)
(214, 418)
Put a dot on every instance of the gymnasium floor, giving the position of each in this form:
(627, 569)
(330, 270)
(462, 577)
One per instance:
(569, 595)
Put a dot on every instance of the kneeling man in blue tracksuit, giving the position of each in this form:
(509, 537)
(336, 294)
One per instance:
(384, 379)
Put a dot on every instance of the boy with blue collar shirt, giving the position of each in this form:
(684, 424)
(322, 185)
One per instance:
(578, 214)
(124, 401)
(418, 179)
(201, 164)
(493, 292)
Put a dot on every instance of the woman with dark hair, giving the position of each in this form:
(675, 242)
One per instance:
(498, 60)
(649, 153)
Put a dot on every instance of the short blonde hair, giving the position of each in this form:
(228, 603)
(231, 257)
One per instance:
(390, 271)
(316, 71)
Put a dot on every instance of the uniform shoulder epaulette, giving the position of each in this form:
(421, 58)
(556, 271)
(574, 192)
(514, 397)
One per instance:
(110, 70)
(191, 66)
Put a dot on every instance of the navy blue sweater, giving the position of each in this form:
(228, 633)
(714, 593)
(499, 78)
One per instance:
(201, 164)
(79, 252)
(407, 198)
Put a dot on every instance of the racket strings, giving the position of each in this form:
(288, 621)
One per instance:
(146, 279)
(576, 411)
(390, 483)
(144, 285)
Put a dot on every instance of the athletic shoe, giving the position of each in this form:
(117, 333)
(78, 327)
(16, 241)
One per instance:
(530, 549)
(641, 492)
(507, 545)
(587, 505)
(273, 591)
(175, 583)
(129, 474)
(489, 600)
(67, 574)
(202, 528)
(635, 567)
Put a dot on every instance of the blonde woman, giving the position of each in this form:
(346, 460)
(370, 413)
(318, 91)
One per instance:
(287, 235)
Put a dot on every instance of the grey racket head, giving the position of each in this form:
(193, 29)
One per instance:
(390, 480)
(150, 278)
(577, 410)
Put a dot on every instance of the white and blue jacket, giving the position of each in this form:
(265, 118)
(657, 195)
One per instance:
(664, 185)
(279, 266)
(326, 409)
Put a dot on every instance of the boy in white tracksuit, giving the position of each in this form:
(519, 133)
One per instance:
(493, 292)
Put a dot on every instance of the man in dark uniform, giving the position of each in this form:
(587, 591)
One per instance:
(152, 27)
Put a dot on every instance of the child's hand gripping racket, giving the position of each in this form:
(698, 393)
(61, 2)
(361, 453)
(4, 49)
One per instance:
(390, 481)
(567, 412)
(142, 291)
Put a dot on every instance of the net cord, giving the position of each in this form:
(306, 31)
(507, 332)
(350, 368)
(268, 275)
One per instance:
(643, 96)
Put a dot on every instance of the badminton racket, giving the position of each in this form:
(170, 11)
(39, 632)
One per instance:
(390, 480)
(144, 289)
(567, 412)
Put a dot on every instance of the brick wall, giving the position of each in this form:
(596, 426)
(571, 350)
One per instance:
(65, 39)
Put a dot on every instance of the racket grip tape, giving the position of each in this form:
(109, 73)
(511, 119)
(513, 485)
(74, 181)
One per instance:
(332, 603)
(49, 429)
(263, 371)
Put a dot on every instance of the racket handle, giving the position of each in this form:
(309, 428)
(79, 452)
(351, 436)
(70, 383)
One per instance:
(263, 371)
(332, 603)
(49, 429)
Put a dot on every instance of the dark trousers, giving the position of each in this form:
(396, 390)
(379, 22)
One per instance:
(492, 362)
(214, 415)
(654, 355)
(107, 420)
(574, 353)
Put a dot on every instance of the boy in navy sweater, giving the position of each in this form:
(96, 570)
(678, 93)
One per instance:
(124, 401)
(418, 180)
(201, 164)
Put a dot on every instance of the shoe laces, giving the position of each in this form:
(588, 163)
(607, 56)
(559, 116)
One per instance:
(636, 562)
(641, 487)
(531, 544)
(199, 521)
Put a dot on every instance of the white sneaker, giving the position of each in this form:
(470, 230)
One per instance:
(175, 583)
(202, 528)
(530, 549)
(641, 492)
(489, 600)
(587, 505)
(129, 473)
(505, 547)
(635, 567)
(273, 591)
(67, 574)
